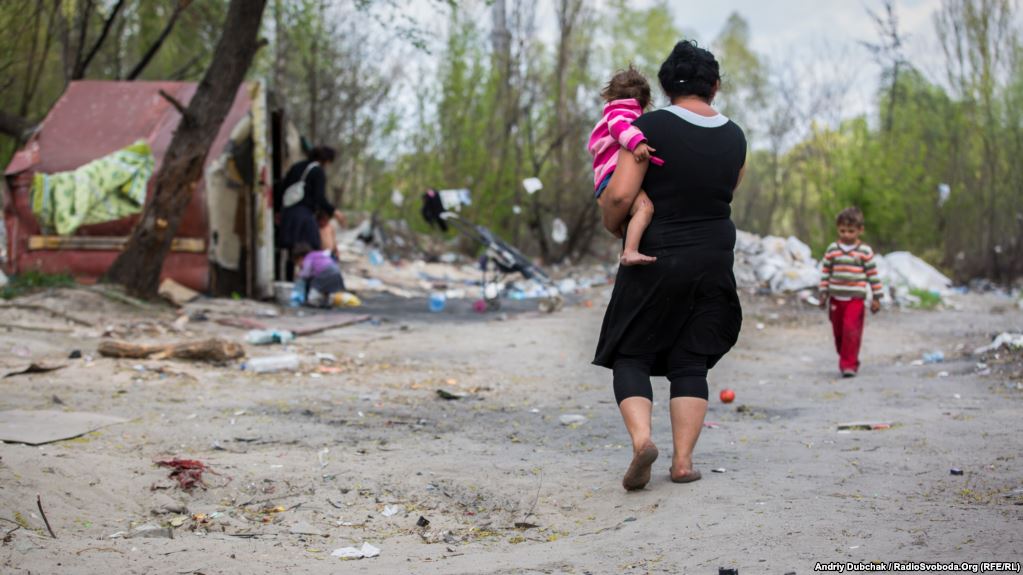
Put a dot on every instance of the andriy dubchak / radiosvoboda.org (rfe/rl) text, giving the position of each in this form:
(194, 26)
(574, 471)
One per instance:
(917, 566)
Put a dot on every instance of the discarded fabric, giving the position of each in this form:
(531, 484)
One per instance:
(366, 551)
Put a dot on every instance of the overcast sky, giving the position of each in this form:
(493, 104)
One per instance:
(820, 31)
(815, 29)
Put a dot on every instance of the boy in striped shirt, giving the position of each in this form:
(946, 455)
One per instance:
(848, 277)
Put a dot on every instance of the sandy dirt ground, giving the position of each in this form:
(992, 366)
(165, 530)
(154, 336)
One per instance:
(309, 462)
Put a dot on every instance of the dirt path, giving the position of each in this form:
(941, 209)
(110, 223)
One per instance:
(335, 453)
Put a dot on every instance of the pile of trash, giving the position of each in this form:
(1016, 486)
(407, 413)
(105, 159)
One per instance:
(903, 273)
(388, 257)
(779, 265)
(786, 265)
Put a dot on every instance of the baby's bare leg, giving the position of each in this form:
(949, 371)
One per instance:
(641, 213)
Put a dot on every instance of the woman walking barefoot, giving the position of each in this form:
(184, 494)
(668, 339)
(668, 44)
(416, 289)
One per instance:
(678, 316)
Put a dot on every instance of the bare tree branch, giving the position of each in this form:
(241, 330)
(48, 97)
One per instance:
(181, 108)
(151, 53)
(107, 25)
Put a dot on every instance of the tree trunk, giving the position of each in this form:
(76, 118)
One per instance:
(14, 126)
(138, 267)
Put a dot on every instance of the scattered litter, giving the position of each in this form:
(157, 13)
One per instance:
(760, 326)
(727, 571)
(559, 231)
(322, 455)
(304, 528)
(629, 519)
(571, 419)
(719, 470)
(424, 522)
(445, 394)
(366, 551)
(955, 471)
(75, 354)
(345, 299)
(942, 374)
(33, 368)
(165, 505)
(147, 531)
(727, 396)
(326, 357)
(390, 510)
(532, 185)
(437, 300)
(864, 426)
(187, 472)
(1004, 339)
(711, 424)
(269, 336)
(43, 426)
(212, 350)
(176, 293)
(271, 364)
(934, 357)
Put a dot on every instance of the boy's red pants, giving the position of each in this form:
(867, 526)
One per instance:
(847, 323)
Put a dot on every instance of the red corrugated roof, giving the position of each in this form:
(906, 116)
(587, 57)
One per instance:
(95, 117)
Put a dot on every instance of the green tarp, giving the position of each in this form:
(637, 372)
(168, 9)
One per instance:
(103, 190)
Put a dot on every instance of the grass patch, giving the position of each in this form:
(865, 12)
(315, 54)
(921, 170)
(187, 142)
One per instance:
(32, 281)
(928, 299)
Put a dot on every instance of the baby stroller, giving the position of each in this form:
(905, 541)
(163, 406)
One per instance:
(501, 260)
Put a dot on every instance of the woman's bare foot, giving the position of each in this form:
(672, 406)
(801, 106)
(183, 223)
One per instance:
(682, 471)
(685, 477)
(634, 258)
(638, 474)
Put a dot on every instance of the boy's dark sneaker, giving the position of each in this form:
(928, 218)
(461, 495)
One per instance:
(848, 373)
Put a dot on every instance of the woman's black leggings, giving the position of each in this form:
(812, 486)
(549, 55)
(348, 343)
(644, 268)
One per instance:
(687, 372)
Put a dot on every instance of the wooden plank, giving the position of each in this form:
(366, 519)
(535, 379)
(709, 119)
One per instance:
(107, 243)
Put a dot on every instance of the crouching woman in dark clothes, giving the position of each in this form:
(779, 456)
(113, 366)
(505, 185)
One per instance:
(678, 316)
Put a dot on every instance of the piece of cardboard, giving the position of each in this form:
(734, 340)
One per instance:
(44, 426)
(177, 293)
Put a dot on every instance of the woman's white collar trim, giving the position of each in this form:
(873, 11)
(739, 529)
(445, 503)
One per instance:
(696, 119)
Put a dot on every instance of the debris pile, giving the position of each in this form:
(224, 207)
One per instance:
(903, 273)
(777, 264)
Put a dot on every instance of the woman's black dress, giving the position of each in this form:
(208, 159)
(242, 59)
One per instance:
(298, 222)
(688, 296)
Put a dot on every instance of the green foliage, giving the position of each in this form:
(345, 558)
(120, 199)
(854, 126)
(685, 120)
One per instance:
(32, 281)
(641, 37)
(928, 299)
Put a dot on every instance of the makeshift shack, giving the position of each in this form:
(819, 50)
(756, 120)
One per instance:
(75, 191)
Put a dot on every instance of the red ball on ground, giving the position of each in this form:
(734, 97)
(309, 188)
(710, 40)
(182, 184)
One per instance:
(727, 396)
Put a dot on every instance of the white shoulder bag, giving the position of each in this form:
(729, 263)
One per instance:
(295, 192)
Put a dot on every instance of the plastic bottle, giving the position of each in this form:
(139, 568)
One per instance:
(298, 293)
(269, 336)
(437, 300)
(375, 257)
(273, 363)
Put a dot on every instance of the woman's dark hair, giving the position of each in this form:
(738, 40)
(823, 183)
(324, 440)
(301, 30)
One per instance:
(322, 154)
(689, 71)
(627, 84)
(300, 251)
